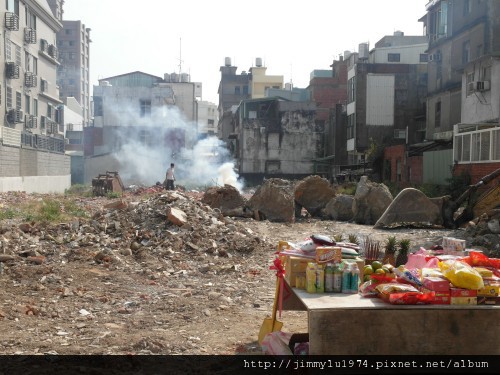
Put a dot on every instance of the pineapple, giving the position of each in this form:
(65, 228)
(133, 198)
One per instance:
(353, 239)
(404, 247)
(338, 237)
(390, 250)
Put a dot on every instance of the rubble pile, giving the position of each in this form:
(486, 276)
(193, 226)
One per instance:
(91, 280)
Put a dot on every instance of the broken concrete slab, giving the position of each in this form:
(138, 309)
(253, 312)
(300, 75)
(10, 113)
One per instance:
(226, 198)
(274, 201)
(340, 208)
(370, 201)
(411, 207)
(313, 193)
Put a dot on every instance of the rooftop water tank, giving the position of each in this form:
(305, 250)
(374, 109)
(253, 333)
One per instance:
(363, 51)
(184, 77)
(166, 77)
(104, 83)
(399, 33)
(347, 53)
(258, 62)
(227, 61)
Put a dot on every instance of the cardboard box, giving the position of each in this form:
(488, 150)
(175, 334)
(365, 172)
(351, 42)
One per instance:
(294, 266)
(488, 300)
(453, 246)
(460, 292)
(463, 301)
(489, 291)
(440, 298)
(437, 284)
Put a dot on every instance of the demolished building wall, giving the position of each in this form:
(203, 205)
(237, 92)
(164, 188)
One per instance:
(277, 138)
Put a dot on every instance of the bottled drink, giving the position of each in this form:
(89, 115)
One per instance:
(329, 278)
(354, 278)
(320, 279)
(346, 279)
(311, 277)
(337, 279)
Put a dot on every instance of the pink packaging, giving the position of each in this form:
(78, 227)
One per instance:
(436, 284)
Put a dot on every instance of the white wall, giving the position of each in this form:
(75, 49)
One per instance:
(36, 184)
(380, 100)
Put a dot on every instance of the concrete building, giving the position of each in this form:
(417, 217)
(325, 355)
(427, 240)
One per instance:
(233, 88)
(73, 74)
(32, 155)
(260, 81)
(476, 139)
(139, 111)
(386, 100)
(464, 40)
(276, 138)
(208, 120)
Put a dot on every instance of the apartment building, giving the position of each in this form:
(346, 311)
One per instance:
(386, 97)
(32, 141)
(464, 42)
(73, 74)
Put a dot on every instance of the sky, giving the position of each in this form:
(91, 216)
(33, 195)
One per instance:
(292, 38)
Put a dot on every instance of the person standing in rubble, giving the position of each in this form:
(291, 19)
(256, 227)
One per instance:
(170, 178)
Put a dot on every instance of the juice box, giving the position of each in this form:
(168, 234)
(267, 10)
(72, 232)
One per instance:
(436, 284)
(460, 292)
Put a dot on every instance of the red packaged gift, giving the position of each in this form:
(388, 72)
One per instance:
(437, 284)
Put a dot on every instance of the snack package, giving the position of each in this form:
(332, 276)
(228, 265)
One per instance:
(461, 274)
(411, 298)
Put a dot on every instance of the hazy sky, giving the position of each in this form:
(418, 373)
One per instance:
(292, 37)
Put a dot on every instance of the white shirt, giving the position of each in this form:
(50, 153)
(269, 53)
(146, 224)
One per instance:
(170, 174)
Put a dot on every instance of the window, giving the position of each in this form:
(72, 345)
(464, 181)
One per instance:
(27, 102)
(351, 86)
(237, 90)
(49, 110)
(466, 52)
(19, 98)
(71, 43)
(469, 79)
(71, 55)
(467, 7)
(67, 31)
(8, 50)
(351, 122)
(18, 55)
(9, 97)
(145, 108)
(30, 19)
(393, 57)
(437, 115)
(424, 57)
(35, 107)
(398, 170)
(479, 50)
(13, 6)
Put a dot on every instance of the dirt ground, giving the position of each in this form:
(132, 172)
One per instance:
(157, 301)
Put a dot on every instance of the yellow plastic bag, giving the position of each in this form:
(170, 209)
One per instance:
(461, 274)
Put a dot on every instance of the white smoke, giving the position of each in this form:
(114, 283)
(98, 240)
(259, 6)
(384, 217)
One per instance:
(146, 151)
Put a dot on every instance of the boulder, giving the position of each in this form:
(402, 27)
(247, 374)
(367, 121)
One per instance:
(274, 201)
(413, 208)
(226, 198)
(313, 193)
(370, 201)
(340, 208)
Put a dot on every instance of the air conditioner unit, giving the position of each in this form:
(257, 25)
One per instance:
(30, 35)
(435, 57)
(69, 127)
(11, 70)
(400, 133)
(262, 130)
(482, 85)
(53, 51)
(30, 80)
(15, 115)
(11, 21)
